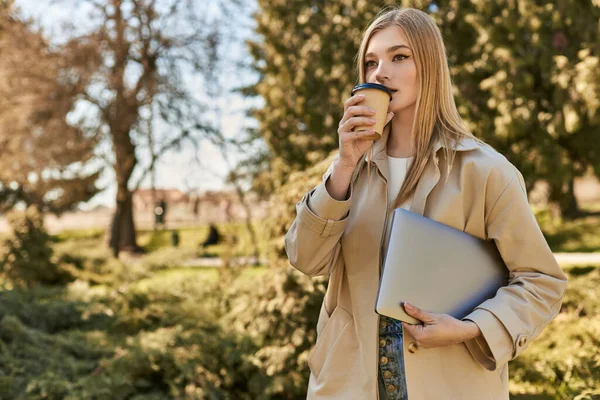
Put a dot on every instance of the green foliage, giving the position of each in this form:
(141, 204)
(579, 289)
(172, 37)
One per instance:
(157, 334)
(530, 84)
(564, 361)
(526, 74)
(306, 60)
(283, 209)
(26, 256)
(153, 330)
(580, 235)
(278, 311)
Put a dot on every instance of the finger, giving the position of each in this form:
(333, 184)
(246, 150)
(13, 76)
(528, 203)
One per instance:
(353, 122)
(365, 135)
(354, 136)
(357, 98)
(413, 330)
(418, 313)
(353, 111)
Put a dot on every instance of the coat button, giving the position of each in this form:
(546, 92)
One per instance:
(382, 342)
(383, 360)
(413, 347)
(390, 388)
(387, 374)
(522, 341)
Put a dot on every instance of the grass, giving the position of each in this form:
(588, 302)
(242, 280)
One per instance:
(581, 235)
(235, 238)
(197, 275)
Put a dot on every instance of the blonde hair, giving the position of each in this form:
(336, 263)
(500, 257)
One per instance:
(436, 116)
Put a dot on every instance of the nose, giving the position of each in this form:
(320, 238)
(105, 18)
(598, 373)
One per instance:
(381, 74)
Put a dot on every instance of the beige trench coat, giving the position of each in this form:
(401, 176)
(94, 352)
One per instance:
(484, 196)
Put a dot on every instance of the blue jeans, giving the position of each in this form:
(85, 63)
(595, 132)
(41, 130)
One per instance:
(392, 378)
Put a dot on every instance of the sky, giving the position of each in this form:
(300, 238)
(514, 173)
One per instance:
(177, 170)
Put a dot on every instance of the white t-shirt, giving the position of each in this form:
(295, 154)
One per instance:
(397, 173)
(398, 168)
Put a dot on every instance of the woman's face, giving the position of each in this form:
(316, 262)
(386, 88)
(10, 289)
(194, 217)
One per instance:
(389, 61)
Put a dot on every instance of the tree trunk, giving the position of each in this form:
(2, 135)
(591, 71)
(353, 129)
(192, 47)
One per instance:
(123, 224)
(123, 228)
(128, 237)
(564, 197)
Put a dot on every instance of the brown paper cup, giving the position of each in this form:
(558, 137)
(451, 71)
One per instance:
(378, 98)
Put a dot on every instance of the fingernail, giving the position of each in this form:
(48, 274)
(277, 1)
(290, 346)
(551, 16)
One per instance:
(372, 120)
(407, 305)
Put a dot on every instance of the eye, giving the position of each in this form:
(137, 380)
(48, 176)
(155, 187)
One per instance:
(368, 64)
(400, 55)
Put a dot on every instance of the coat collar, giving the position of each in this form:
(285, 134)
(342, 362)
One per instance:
(431, 174)
(380, 145)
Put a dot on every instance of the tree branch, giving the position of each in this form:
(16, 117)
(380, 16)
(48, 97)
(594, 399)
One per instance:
(171, 144)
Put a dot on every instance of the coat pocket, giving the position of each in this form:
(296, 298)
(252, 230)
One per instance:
(336, 331)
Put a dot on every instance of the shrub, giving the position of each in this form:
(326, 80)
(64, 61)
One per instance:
(26, 256)
(283, 209)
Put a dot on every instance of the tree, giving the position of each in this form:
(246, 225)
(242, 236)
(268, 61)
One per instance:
(530, 85)
(526, 74)
(148, 52)
(46, 161)
(305, 59)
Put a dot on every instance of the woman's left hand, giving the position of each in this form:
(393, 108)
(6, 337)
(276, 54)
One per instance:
(438, 329)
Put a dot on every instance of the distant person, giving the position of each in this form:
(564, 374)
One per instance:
(175, 238)
(196, 207)
(160, 213)
(214, 237)
(425, 160)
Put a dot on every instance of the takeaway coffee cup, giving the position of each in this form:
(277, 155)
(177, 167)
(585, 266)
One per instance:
(377, 97)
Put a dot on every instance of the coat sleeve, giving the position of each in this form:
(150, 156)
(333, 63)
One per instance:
(313, 241)
(522, 309)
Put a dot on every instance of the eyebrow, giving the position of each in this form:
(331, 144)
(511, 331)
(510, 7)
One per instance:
(390, 50)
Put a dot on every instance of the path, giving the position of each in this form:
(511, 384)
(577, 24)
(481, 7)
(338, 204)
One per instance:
(578, 259)
(564, 259)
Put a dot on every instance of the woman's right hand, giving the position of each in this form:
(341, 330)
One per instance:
(354, 144)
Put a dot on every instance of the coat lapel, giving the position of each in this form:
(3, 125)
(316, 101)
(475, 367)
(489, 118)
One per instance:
(430, 178)
(379, 153)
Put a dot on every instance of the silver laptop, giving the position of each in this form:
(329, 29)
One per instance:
(436, 268)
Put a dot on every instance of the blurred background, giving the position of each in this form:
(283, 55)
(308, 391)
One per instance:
(153, 152)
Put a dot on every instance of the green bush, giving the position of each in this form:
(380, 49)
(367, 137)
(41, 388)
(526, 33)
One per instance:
(26, 256)
(148, 329)
(283, 208)
(279, 312)
(41, 308)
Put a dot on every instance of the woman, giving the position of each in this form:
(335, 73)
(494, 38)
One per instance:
(427, 161)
